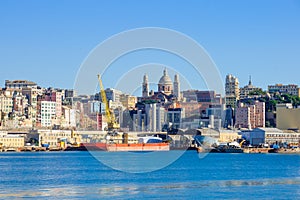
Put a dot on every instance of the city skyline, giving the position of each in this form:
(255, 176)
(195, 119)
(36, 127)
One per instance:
(242, 38)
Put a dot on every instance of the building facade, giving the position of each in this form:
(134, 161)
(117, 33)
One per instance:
(291, 89)
(9, 141)
(47, 113)
(232, 90)
(19, 84)
(128, 101)
(175, 117)
(113, 94)
(270, 136)
(287, 117)
(250, 116)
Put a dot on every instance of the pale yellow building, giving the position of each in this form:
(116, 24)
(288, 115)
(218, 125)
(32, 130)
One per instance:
(228, 136)
(128, 101)
(287, 117)
(8, 141)
(55, 137)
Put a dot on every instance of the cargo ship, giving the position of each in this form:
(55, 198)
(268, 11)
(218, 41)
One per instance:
(144, 144)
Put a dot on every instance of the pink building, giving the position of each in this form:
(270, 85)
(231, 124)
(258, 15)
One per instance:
(260, 113)
(250, 116)
(55, 96)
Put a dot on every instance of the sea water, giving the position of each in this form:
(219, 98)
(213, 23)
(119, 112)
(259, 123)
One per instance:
(79, 175)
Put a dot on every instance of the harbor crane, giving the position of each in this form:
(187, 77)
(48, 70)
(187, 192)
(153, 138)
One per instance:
(111, 121)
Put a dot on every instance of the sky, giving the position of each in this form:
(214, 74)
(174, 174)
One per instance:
(48, 41)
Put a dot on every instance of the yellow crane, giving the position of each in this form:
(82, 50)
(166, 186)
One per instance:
(111, 122)
(241, 143)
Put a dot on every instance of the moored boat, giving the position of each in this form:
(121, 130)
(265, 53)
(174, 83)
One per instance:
(144, 144)
(232, 147)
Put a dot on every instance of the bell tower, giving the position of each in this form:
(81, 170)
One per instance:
(176, 84)
(145, 86)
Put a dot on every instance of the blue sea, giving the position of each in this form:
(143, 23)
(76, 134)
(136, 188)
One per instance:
(81, 175)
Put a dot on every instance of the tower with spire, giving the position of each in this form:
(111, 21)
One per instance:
(145, 86)
(176, 85)
(250, 81)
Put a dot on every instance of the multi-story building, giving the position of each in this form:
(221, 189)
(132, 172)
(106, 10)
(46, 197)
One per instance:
(19, 84)
(47, 113)
(20, 102)
(31, 95)
(96, 107)
(113, 94)
(11, 141)
(128, 101)
(197, 102)
(291, 89)
(175, 117)
(243, 116)
(146, 117)
(228, 135)
(139, 120)
(271, 136)
(287, 117)
(232, 90)
(69, 115)
(68, 95)
(250, 116)
(54, 137)
(100, 122)
(6, 103)
(210, 97)
(55, 96)
(192, 109)
(155, 117)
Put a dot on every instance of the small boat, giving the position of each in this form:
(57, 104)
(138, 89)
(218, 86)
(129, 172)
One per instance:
(232, 147)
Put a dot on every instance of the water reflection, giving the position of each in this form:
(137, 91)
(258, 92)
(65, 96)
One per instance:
(133, 189)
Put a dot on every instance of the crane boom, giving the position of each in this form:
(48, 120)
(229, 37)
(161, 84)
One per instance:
(104, 99)
(111, 123)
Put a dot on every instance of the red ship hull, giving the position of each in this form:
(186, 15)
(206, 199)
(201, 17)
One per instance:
(127, 147)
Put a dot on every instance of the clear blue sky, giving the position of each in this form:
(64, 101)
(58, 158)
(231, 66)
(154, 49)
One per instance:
(46, 41)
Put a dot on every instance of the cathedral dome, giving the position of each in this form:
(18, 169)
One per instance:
(165, 79)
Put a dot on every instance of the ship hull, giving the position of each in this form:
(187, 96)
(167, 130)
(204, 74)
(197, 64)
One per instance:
(127, 147)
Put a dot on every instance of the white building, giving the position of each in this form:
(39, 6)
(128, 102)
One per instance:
(270, 136)
(175, 116)
(155, 117)
(113, 94)
(285, 89)
(6, 102)
(48, 110)
(69, 117)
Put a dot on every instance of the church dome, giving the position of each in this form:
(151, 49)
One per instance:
(165, 79)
